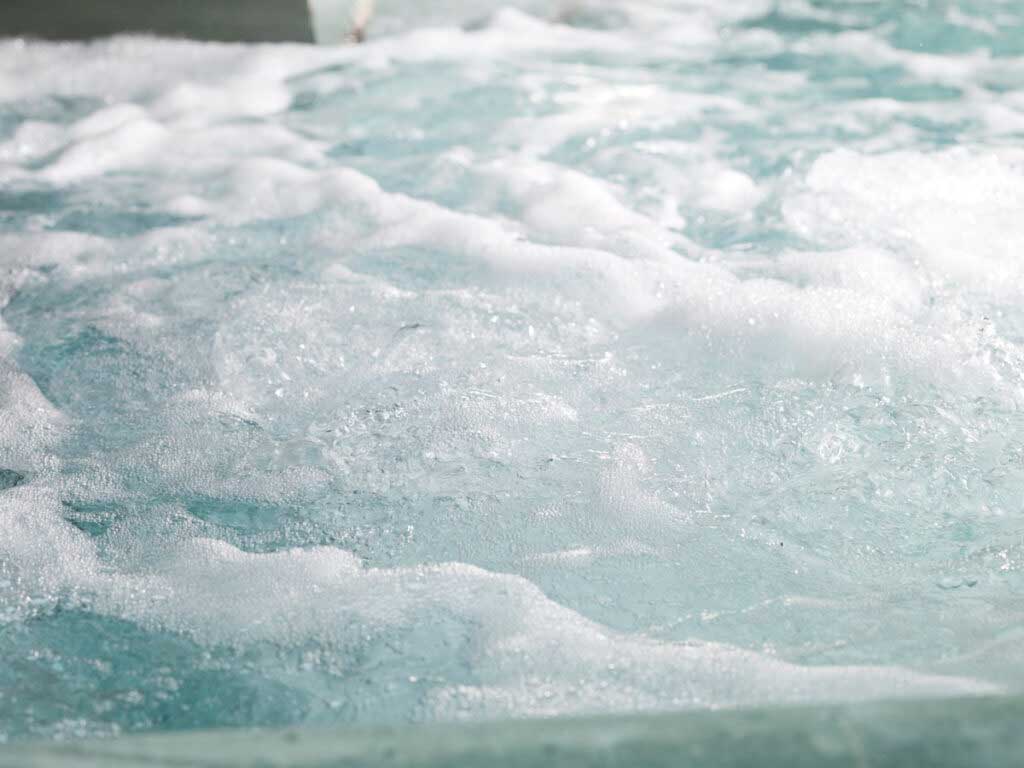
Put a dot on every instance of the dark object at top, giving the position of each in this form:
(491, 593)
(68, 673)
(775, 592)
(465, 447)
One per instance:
(224, 20)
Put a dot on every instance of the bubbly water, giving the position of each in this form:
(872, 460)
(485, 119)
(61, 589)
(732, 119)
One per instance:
(636, 355)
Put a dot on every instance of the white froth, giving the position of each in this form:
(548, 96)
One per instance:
(956, 211)
(531, 655)
(640, 355)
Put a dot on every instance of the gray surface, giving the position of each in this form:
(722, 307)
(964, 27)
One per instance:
(227, 20)
(974, 733)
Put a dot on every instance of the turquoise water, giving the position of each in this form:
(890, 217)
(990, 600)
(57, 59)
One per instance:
(632, 356)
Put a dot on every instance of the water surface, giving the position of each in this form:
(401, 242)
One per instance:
(642, 356)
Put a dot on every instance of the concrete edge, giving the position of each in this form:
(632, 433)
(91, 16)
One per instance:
(221, 20)
(975, 732)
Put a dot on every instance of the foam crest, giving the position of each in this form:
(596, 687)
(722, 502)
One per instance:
(527, 654)
(944, 205)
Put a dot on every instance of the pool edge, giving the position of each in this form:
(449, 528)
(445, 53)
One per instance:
(977, 732)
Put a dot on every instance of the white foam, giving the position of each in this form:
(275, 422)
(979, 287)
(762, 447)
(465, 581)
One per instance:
(529, 654)
(101, 147)
(955, 211)
(610, 304)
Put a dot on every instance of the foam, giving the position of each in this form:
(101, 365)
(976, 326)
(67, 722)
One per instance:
(116, 147)
(529, 655)
(649, 355)
(955, 210)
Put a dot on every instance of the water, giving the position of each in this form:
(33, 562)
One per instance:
(645, 356)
